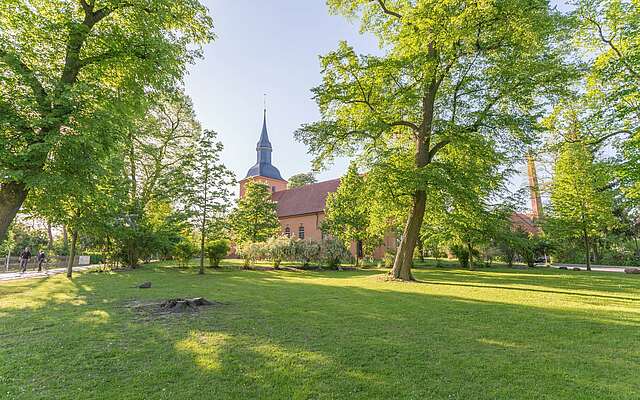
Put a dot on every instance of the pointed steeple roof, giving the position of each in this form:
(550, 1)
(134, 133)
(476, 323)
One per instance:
(263, 166)
(264, 136)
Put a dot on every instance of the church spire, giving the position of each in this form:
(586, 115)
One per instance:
(263, 166)
(264, 142)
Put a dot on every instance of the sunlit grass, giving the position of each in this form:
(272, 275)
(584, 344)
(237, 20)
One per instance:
(486, 334)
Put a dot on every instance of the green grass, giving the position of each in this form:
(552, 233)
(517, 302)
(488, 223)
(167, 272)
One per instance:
(486, 334)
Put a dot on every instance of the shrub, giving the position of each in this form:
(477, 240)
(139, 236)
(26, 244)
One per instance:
(278, 249)
(184, 251)
(251, 252)
(462, 254)
(333, 252)
(216, 250)
(389, 258)
(306, 251)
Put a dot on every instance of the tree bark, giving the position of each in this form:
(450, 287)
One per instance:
(72, 253)
(404, 258)
(65, 239)
(204, 216)
(587, 248)
(12, 195)
(470, 251)
(49, 237)
(420, 249)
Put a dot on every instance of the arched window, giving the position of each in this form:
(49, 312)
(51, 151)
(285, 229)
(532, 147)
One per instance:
(301, 232)
(273, 189)
(287, 232)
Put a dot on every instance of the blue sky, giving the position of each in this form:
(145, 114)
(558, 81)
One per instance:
(267, 47)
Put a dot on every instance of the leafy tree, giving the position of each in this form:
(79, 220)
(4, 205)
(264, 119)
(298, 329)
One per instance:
(216, 251)
(80, 70)
(609, 32)
(580, 197)
(159, 149)
(255, 218)
(207, 187)
(84, 194)
(302, 180)
(452, 71)
(347, 213)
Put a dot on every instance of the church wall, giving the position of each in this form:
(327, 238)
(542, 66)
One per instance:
(276, 185)
(310, 222)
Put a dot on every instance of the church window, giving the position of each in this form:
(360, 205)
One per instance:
(287, 232)
(273, 189)
(301, 232)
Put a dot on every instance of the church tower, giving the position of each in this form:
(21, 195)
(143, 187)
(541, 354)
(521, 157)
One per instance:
(263, 171)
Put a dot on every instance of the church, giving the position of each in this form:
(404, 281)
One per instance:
(301, 210)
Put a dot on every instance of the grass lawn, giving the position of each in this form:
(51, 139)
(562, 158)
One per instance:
(485, 334)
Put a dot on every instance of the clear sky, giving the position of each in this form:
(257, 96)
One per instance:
(268, 47)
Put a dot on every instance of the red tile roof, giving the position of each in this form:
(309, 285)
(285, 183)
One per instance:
(305, 199)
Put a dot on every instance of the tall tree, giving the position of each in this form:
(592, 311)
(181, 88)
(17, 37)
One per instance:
(255, 218)
(347, 214)
(80, 68)
(207, 187)
(305, 178)
(452, 70)
(610, 34)
(581, 198)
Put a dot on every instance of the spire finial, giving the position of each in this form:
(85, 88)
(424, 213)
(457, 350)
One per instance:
(264, 103)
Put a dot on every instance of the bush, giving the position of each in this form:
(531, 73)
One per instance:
(184, 251)
(462, 254)
(333, 252)
(251, 252)
(216, 250)
(306, 251)
(278, 249)
(389, 258)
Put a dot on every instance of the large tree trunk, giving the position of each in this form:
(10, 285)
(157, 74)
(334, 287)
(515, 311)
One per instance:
(404, 257)
(470, 251)
(12, 195)
(72, 253)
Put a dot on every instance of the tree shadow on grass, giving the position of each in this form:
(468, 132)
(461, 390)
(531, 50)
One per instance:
(297, 336)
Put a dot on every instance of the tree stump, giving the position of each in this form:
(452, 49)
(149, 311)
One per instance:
(179, 305)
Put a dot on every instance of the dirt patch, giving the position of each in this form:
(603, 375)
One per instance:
(176, 306)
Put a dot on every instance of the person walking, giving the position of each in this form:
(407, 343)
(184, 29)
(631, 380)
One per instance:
(40, 258)
(24, 259)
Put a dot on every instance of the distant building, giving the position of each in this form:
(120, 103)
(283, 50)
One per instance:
(301, 210)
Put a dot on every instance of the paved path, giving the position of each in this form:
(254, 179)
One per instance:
(10, 276)
(598, 268)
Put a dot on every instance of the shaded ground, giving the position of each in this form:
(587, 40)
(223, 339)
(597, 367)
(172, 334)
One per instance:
(487, 334)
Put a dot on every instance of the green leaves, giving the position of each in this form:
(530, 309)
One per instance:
(255, 218)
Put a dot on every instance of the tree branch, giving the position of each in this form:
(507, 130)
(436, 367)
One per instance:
(386, 10)
(28, 75)
(609, 42)
(434, 150)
